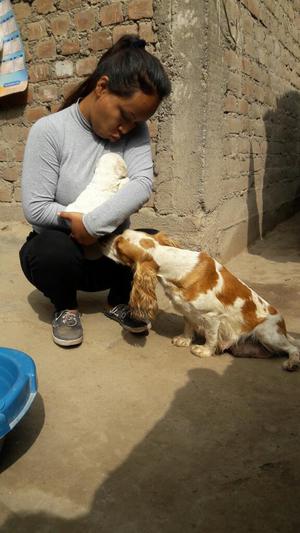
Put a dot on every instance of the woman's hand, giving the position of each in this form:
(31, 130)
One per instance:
(78, 231)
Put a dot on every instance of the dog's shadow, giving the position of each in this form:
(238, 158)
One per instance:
(168, 324)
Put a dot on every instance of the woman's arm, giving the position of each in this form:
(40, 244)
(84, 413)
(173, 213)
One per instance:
(130, 198)
(40, 176)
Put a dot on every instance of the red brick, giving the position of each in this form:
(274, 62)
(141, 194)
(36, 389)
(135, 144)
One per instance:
(85, 20)
(253, 7)
(5, 154)
(146, 32)
(5, 192)
(46, 48)
(86, 66)
(70, 46)
(19, 152)
(18, 194)
(230, 103)
(60, 25)
(22, 11)
(100, 40)
(68, 5)
(44, 6)
(232, 125)
(11, 133)
(232, 59)
(68, 88)
(243, 107)
(138, 9)
(47, 93)
(23, 133)
(111, 14)
(28, 97)
(34, 113)
(36, 30)
(247, 23)
(11, 173)
(234, 83)
(119, 31)
(27, 49)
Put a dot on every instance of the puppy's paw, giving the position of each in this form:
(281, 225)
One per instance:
(181, 341)
(201, 350)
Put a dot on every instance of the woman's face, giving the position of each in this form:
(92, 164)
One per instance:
(113, 116)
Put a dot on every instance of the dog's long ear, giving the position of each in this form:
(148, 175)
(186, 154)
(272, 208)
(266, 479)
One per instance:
(143, 301)
(164, 240)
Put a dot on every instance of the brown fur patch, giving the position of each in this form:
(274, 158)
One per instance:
(272, 310)
(251, 320)
(128, 253)
(232, 289)
(147, 243)
(201, 279)
(164, 240)
(281, 327)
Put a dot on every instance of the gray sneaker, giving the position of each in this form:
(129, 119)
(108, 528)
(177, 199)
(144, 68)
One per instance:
(67, 328)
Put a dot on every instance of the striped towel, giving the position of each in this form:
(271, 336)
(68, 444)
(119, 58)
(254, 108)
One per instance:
(13, 73)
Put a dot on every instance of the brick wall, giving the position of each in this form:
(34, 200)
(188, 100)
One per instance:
(261, 146)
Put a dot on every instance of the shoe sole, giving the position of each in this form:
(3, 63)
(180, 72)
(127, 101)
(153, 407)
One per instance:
(128, 328)
(72, 342)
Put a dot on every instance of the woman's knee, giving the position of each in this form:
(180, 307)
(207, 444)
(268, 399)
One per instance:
(51, 249)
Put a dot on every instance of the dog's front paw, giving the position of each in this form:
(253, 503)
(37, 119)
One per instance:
(181, 341)
(201, 350)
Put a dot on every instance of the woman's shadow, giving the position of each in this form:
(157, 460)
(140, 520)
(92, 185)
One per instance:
(204, 466)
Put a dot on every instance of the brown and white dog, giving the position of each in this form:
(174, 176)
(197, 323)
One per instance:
(213, 301)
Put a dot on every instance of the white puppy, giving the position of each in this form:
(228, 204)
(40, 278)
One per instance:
(110, 175)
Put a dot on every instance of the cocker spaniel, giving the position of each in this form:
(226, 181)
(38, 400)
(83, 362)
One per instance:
(214, 303)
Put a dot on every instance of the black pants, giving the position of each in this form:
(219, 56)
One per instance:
(55, 264)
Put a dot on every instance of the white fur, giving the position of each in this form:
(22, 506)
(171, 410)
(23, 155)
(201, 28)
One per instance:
(110, 175)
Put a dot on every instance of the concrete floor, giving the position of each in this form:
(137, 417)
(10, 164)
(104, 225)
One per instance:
(133, 435)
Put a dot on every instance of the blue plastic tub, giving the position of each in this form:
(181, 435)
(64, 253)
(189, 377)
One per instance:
(18, 387)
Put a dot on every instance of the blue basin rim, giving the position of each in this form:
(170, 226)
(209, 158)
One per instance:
(17, 400)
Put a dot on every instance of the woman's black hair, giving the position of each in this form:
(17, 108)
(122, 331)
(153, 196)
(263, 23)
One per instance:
(129, 67)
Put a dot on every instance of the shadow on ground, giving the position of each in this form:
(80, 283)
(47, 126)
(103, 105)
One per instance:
(224, 458)
(24, 435)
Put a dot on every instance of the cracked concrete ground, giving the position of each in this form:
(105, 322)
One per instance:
(132, 435)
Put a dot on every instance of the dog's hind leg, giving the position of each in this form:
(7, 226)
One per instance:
(273, 335)
(250, 348)
(186, 337)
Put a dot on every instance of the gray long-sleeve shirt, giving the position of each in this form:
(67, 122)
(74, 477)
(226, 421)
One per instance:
(60, 159)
